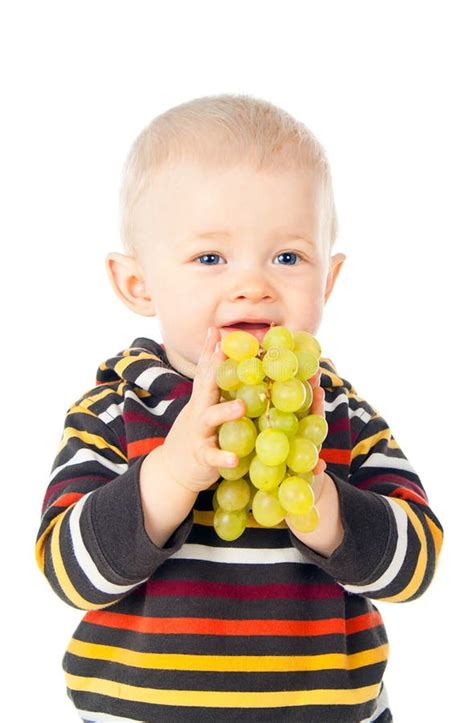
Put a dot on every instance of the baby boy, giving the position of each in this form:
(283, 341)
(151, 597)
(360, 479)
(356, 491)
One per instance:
(181, 626)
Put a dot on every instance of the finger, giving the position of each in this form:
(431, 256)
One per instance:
(317, 407)
(315, 380)
(215, 457)
(222, 412)
(320, 467)
(205, 390)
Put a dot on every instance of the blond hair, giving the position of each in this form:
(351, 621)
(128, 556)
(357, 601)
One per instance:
(224, 130)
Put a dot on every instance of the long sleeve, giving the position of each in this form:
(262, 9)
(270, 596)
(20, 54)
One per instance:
(92, 545)
(392, 539)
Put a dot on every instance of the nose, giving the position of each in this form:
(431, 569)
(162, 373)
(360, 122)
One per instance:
(251, 285)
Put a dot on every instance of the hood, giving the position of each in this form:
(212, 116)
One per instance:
(131, 364)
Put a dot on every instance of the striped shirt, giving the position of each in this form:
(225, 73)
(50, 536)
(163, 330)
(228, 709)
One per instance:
(259, 629)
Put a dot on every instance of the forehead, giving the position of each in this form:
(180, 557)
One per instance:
(191, 200)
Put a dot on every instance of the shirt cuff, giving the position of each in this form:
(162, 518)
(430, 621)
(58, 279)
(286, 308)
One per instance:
(369, 536)
(114, 522)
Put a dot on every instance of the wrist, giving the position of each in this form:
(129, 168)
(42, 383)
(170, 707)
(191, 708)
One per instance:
(165, 502)
(329, 533)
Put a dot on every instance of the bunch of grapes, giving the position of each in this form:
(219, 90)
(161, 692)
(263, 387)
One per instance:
(278, 440)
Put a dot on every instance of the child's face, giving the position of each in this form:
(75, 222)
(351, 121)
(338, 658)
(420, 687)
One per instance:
(271, 267)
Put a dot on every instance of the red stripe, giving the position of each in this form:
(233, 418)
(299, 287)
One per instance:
(242, 592)
(416, 494)
(336, 456)
(218, 626)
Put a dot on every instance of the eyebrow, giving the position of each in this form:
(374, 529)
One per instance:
(225, 233)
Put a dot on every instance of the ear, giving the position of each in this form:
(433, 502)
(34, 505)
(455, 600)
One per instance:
(335, 265)
(128, 281)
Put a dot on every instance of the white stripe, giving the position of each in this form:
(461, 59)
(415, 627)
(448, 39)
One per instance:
(340, 399)
(361, 413)
(242, 555)
(382, 704)
(87, 455)
(401, 519)
(147, 377)
(110, 414)
(384, 460)
(99, 717)
(344, 399)
(85, 561)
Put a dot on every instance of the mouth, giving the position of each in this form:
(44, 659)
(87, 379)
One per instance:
(256, 328)
(248, 325)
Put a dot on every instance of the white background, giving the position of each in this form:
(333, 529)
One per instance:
(386, 87)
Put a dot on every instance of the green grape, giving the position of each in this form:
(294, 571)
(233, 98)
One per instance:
(296, 495)
(239, 345)
(238, 436)
(305, 340)
(308, 364)
(228, 394)
(284, 421)
(308, 400)
(238, 471)
(313, 427)
(278, 439)
(233, 495)
(272, 446)
(253, 492)
(266, 508)
(226, 375)
(306, 522)
(255, 397)
(288, 396)
(265, 476)
(308, 476)
(280, 363)
(279, 336)
(230, 525)
(303, 455)
(251, 371)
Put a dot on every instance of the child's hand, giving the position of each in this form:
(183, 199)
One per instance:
(190, 449)
(317, 407)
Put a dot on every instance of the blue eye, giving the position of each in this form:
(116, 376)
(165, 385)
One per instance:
(209, 256)
(288, 255)
(290, 258)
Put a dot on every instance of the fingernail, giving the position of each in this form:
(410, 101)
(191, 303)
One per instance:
(218, 346)
(209, 332)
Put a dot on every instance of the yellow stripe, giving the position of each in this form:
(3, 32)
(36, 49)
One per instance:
(125, 361)
(422, 562)
(217, 699)
(61, 574)
(366, 444)
(205, 518)
(89, 439)
(41, 544)
(437, 538)
(229, 663)
(93, 398)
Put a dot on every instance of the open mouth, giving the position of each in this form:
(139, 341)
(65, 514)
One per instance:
(248, 326)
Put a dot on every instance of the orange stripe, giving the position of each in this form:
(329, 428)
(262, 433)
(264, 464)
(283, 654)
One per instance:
(407, 494)
(67, 499)
(213, 626)
(143, 446)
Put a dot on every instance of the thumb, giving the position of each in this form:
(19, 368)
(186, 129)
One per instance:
(205, 389)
